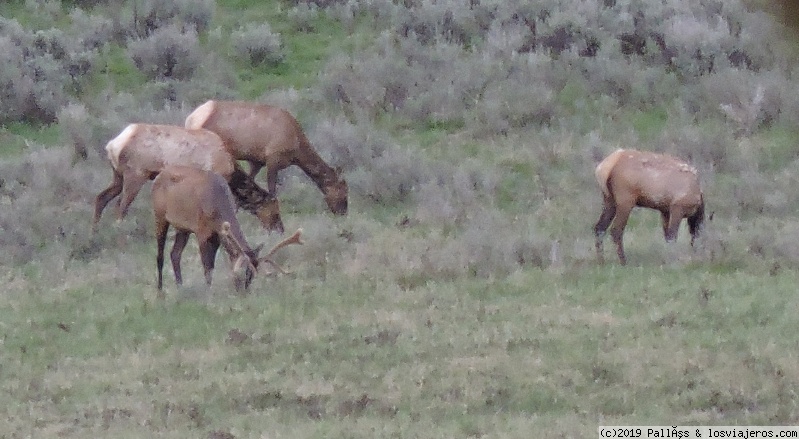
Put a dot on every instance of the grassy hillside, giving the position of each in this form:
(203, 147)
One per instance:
(461, 296)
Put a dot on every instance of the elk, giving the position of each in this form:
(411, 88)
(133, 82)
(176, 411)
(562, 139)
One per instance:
(270, 136)
(630, 178)
(197, 201)
(141, 151)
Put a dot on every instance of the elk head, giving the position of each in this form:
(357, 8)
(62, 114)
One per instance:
(245, 264)
(269, 215)
(256, 200)
(335, 193)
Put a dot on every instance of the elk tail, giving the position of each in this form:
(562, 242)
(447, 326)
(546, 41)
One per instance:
(603, 169)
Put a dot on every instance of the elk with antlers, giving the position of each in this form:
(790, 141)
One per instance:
(141, 151)
(200, 202)
(270, 136)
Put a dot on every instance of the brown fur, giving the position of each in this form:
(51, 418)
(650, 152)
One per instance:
(630, 178)
(200, 202)
(140, 151)
(269, 136)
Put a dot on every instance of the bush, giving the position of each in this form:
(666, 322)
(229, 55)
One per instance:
(377, 169)
(74, 122)
(350, 146)
(32, 87)
(48, 203)
(151, 15)
(39, 70)
(303, 15)
(451, 195)
(257, 44)
(93, 31)
(170, 52)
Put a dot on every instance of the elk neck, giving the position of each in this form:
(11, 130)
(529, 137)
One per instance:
(314, 167)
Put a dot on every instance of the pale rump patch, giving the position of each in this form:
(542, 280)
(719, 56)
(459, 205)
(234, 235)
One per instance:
(200, 115)
(114, 147)
(603, 169)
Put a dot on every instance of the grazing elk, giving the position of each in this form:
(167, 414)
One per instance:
(141, 151)
(196, 201)
(630, 178)
(269, 136)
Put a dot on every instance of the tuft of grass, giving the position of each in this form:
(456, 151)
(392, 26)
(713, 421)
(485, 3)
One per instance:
(118, 71)
(779, 148)
(649, 124)
(19, 137)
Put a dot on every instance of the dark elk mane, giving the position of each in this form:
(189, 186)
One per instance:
(249, 196)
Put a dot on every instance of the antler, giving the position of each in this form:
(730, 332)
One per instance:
(226, 235)
(296, 238)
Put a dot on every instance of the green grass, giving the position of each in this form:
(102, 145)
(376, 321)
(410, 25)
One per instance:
(538, 351)
(780, 151)
(649, 124)
(305, 52)
(118, 72)
(16, 138)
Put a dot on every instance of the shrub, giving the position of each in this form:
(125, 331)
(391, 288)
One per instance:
(74, 122)
(431, 21)
(350, 146)
(32, 88)
(257, 44)
(151, 15)
(170, 52)
(39, 70)
(489, 245)
(697, 43)
(450, 195)
(377, 169)
(303, 15)
(391, 178)
(93, 31)
(50, 203)
(518, 100)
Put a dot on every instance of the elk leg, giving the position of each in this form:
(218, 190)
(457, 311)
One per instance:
(271, 180)
(161, 227)
(255, 168)
(617, 230)
(673, 228)
(181, 238)
(132, 184)
(608, 212)
(104, 197)
(208, 248)
(664, 218)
